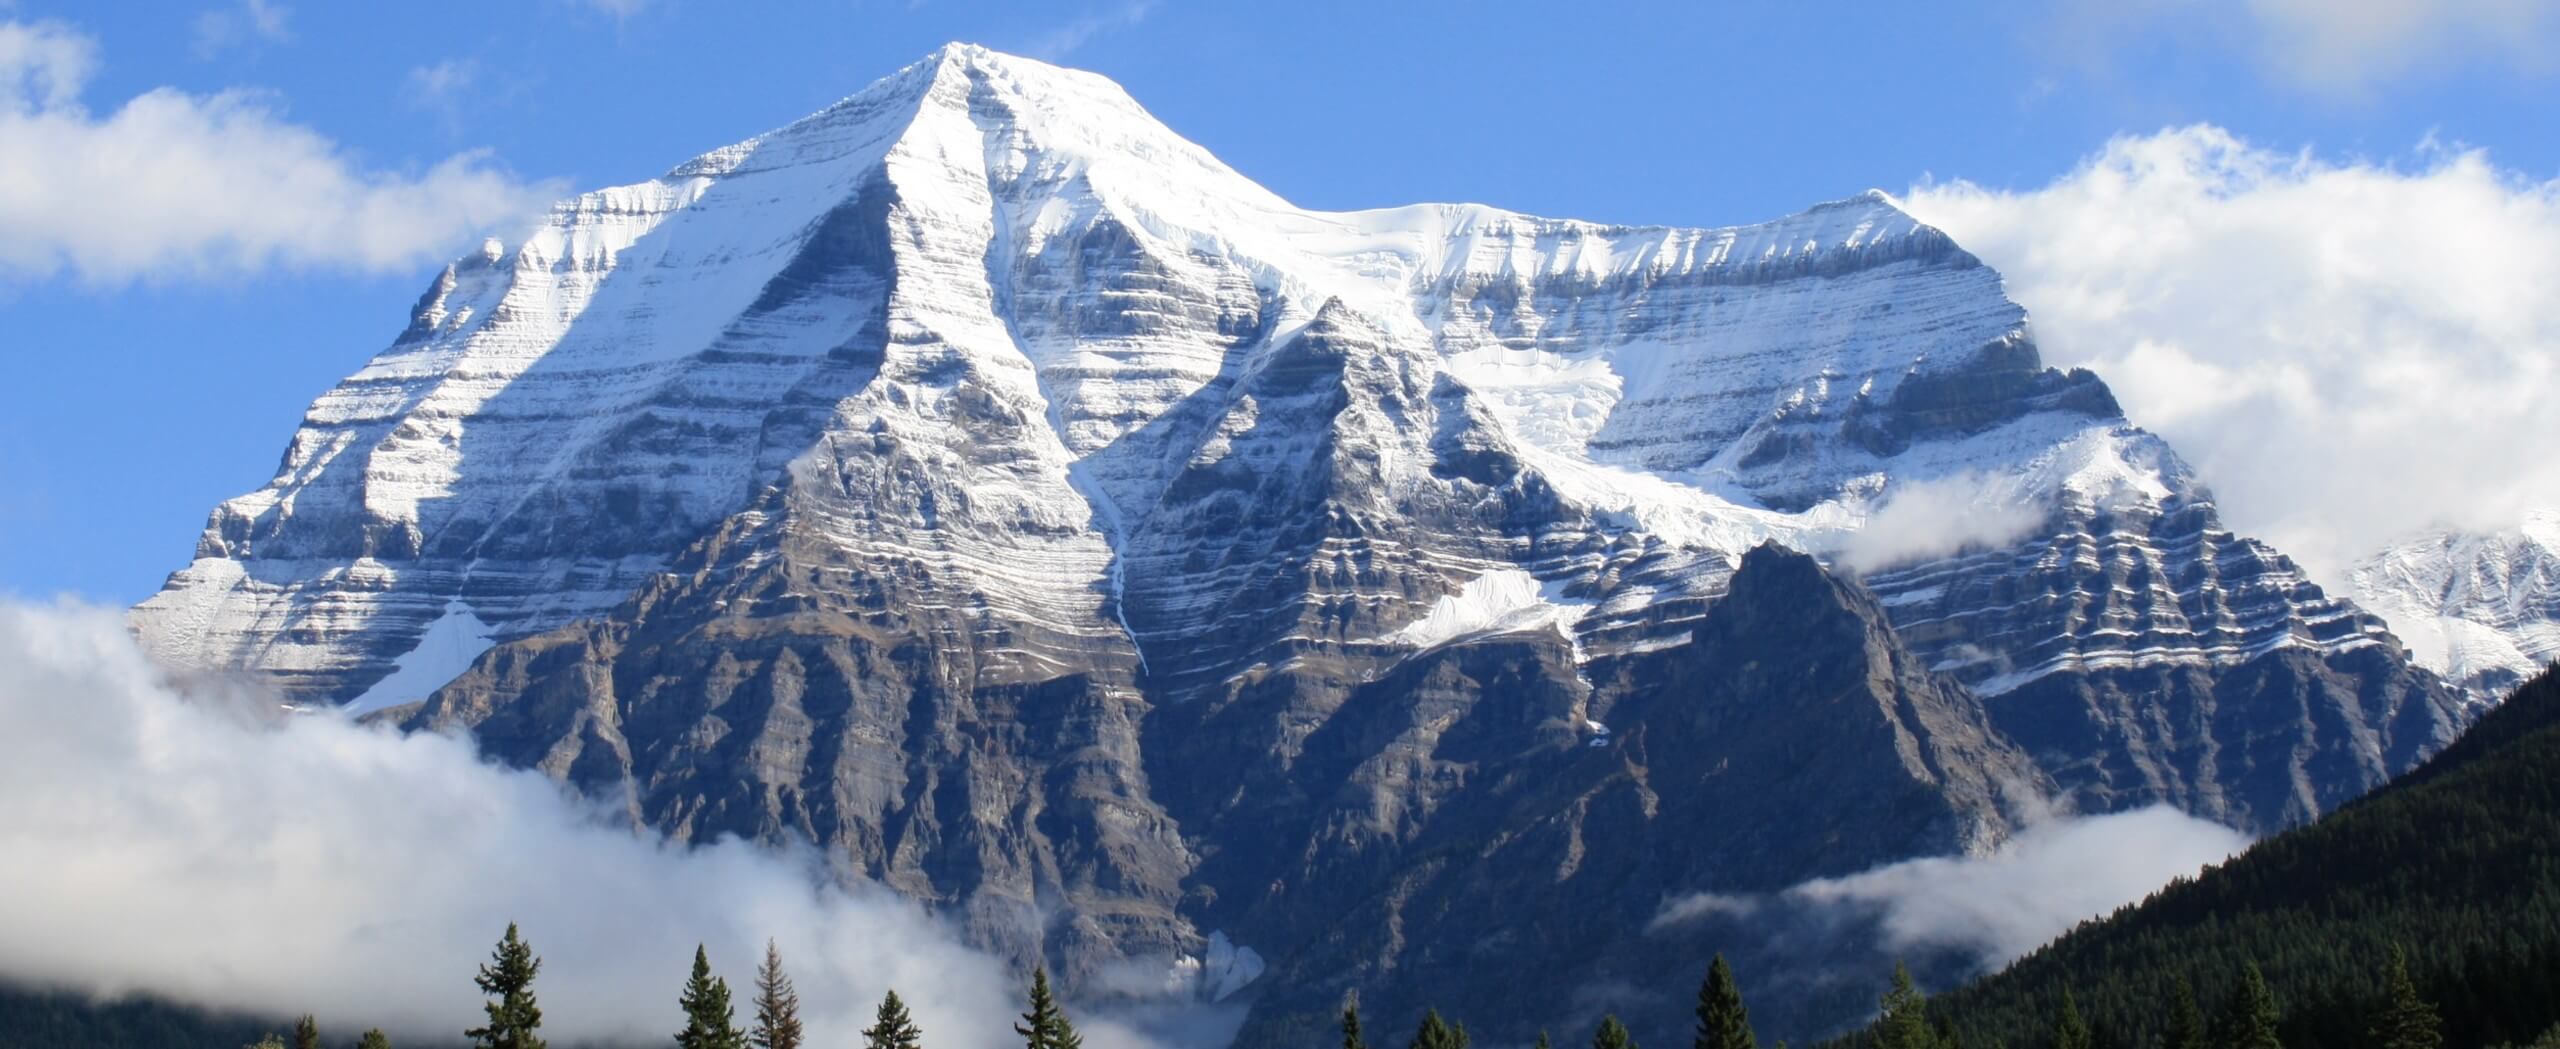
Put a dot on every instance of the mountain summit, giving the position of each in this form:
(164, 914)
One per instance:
(982, 481)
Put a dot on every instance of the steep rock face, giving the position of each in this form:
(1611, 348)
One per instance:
(2483, 609)
(984, 483)
(2196, 668)
(1500, 844)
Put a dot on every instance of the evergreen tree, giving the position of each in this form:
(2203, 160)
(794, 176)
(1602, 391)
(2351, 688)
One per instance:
(2184, 1028)
(306, 1032)
(1612, 1035)
(1723, 1023)
(1046, 1026)
(1436, 1033)
(268, 1042)
(777, 1005)
(1351, 1023)
(891, 1027)
(374, 1039)
(1905, 1023)
(707, 1014)
(1543, 1043)
(508, 979)
(2248, 1019)
(2407, 1021)
(2069, 1030)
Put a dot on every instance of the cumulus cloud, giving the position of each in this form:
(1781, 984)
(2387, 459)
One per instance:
(199, 846)
(1918, 520)
(2055, 874)
(175, 185)
(2347, 350)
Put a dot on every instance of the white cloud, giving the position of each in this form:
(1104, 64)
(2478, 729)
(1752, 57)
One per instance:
(198, 846)
(2038, 885)
(441, 88)
(177, 185)
(2055, 874)
(250, 21)
(1058, 43)
(2348, 351)
(619, 9)
(2341, 49)
(1936, 517)
(2352, 45)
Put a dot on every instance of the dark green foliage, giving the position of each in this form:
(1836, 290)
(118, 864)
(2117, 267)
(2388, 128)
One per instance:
(1351, 1024)
(2070, 1031)
(508, 981)
(1543, 1043)
(2249, 1014)
(374, 1039)
(777, 1005)
(1436, 1033)
(2406, 1021)
(37, 1018)
(707, 1013)
(271, 1041)
(1904, 1023)
(1723, 1023)
(1612, 1035)
(1046, 1026)
(306, 1033)
(891, 1027)
(2183, 1025)
(2456, 860)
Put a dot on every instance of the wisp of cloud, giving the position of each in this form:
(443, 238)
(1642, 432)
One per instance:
(2053, 875)
(198, 845)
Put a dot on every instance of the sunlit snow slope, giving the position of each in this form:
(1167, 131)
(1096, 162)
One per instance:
(2483, 609)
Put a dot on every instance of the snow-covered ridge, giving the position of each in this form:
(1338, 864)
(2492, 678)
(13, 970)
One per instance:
(987, 328)
(2481, 608)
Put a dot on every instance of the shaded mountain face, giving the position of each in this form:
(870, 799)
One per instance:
(985, 483)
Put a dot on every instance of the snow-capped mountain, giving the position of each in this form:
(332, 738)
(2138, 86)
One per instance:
(2480, 608)
(980, 480)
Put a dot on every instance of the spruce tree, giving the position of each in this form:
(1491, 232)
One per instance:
(1543, 1043)
(268, 1042)
(777, 1005)
(1351, 1023)
(1723, 1023)
(2184, 1028)
(891, 1027)
(2070, 1031)
(707, 1013)
(508, 980)
(2248, 1019)
(1046, 1025)
(1905, 1023)
(1436, 1033)
(1612, 1035)
(306, 1033)
(2407, 1021)
(373, 1038)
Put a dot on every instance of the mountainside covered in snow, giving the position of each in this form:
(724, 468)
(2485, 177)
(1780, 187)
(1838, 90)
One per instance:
(982, 481)
(2483, 609)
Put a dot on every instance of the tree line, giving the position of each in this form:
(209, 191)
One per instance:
(2247, 1016)
(514, 1016)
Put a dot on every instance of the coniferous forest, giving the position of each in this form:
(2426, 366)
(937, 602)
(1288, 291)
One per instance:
(2423, 916)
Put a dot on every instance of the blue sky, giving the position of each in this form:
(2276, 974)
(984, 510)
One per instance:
(146, 384)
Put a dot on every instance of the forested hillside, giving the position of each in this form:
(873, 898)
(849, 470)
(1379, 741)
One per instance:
(2457, 863)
